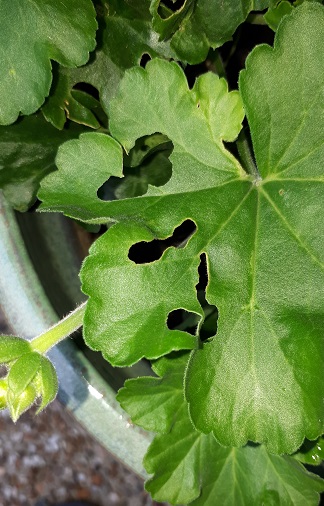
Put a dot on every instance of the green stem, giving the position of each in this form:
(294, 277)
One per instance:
(246, 156)
(59, 331)
(215, 63)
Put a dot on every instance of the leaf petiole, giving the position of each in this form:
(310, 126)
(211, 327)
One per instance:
(246, 156)
(72, 322)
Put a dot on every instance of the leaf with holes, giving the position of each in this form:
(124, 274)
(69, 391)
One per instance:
(197, 26)
(33, 33)
(189, 466)
(138, 310)
(68, 103)
(260, 378)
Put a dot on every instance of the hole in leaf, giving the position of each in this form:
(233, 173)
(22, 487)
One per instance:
(144, 59)
(146, 163)
(87, 88)
(3, 371)
(181, 319)
(147, 252)
(234, 52)
(173, 5)
(208, 328)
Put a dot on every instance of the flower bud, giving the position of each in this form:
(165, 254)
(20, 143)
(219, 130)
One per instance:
(31, 376)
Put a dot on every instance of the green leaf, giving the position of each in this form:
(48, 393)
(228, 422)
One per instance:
(3, 393)
(165, 21)
(223, 111)
(189, 466)
(19, 404)
(260, 5)
(33, 33)
(283, 316)
(260, 378)
(197, 26)
(153, 403)
(125, 34)
(22, 372)
(312, 452)
(91, 152)
(276, 13)
(145, 147)
(128, 26)
(46, 383)
(136, 326)
(12, 347)
(27, 154)
(65, 103)
(148, 165)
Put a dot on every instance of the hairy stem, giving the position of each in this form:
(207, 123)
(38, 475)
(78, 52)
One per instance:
(64, 328)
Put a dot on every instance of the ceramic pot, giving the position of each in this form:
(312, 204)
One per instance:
(40, 257)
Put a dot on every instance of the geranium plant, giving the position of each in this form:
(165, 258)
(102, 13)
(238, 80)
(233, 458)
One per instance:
(198, 127)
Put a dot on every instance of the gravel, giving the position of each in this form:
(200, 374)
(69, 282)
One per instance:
(49, 458)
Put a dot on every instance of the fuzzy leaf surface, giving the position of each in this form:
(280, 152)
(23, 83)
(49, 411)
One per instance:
(260, 378)
(270, 347)
(138, 302)
(189, 466)
(32, 34)
(22, 372)
(27, 154)
(12, 347)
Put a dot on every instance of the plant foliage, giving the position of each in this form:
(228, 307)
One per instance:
(229, 409)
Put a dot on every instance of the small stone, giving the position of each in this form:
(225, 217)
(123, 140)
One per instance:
(113, 498)
(96, 479)
(83, 493)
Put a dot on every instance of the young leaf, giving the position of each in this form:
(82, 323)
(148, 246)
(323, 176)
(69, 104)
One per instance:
(31, 34)
(12, 347)
(189, 466)
(18, 404)
(46, 383)
(27, 154)
(3, 393)
(22, 372)
(261, 378)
